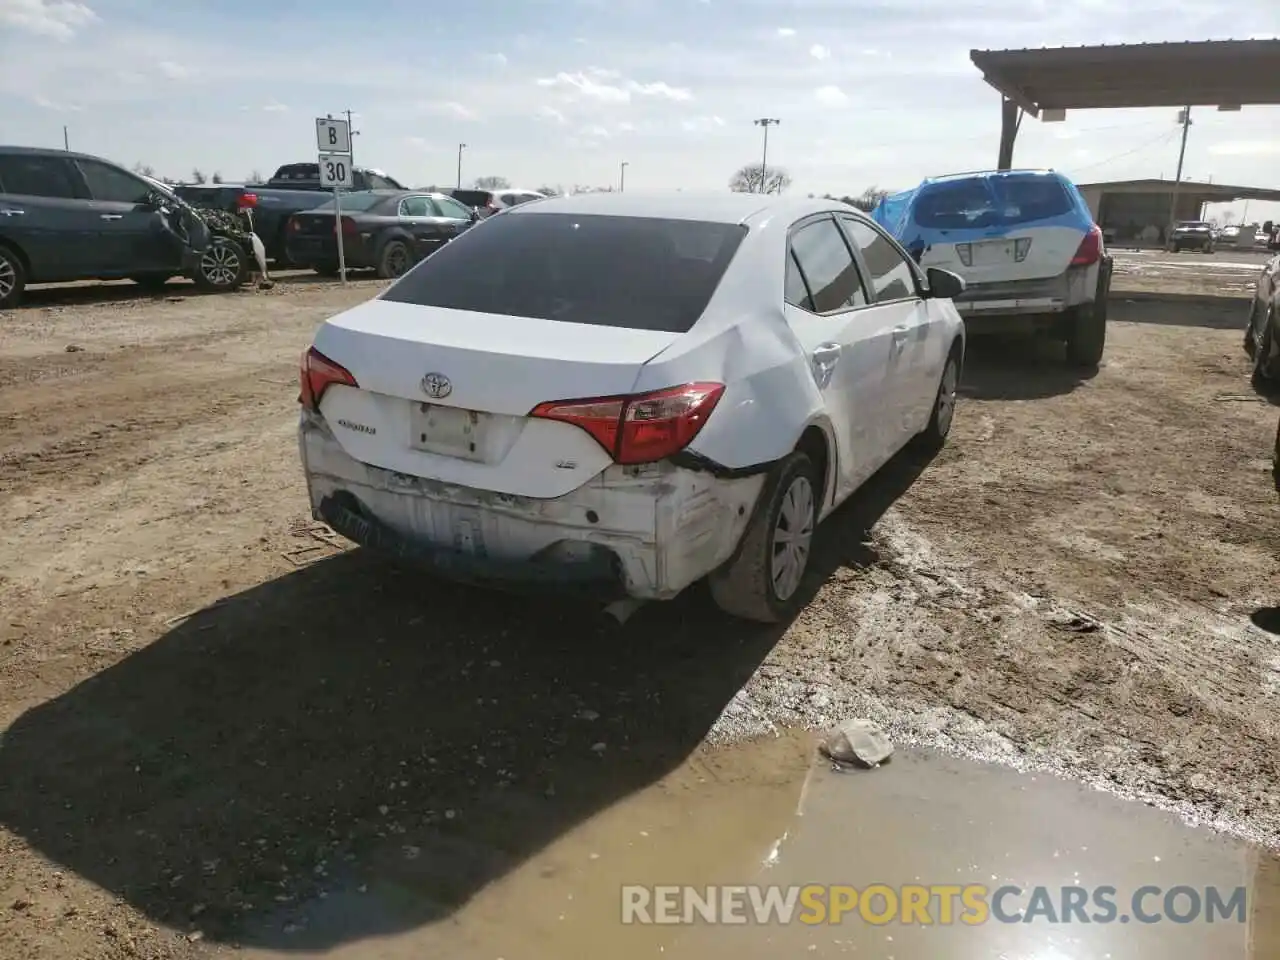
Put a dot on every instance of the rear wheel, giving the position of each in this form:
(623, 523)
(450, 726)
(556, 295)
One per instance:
(13, 278)
(762, 581)
(223, 265)
(1087, 334)
(395, 260)
(1264, 365)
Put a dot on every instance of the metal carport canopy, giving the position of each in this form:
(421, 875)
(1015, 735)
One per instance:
(1227, 73)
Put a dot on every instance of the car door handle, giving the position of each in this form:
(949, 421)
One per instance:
(827, 354)
(14, 213)
(111, 216)
(900, 335)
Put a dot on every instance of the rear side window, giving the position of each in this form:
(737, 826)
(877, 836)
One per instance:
(416, 207)
(826, 267)
(636, 272)
(36, 176)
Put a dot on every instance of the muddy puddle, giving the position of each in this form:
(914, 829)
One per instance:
(1052, 870)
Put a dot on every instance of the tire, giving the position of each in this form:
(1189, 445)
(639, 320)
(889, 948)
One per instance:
(935, 434)
(1087, 335)
(1250, 343)
(746, 586)
(394, 260)
(223, 266)
(13, 278)
(1264, 365)
(152, 281)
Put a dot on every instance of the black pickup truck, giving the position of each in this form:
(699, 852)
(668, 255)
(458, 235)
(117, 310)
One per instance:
(293, 188)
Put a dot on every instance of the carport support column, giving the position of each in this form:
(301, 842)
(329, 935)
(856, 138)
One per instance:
(1009, 117)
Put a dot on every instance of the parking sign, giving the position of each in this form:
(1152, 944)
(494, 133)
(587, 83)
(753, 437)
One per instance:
(333, 136)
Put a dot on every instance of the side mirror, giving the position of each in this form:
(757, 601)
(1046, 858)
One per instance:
(944, 284)
(475, 215)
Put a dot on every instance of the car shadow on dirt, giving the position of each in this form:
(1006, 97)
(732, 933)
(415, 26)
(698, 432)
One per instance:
(1211, 311)
(355, 725)
(1018, 368)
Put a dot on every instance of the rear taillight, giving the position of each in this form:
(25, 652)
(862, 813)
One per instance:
(1090, 250)
(317, 374)
(293, 226)
(643, 428)
(349, 227)
(247, 201)
(493, 207)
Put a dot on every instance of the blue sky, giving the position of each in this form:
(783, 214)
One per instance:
(873, 92)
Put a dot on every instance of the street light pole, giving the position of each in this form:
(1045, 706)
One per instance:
(622, 177)
(765, 122)
(351, 126)
(461, 147)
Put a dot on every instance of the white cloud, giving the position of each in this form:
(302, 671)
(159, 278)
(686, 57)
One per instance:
(1064, 133)
(701, 124)
(594, 84)
(57, 106)
(59, 19)
(1246, 148)
(786, 32)
(819, 52)
(497, 59)
(449, 108)
(174, 71)
(830, 96)
(275, 106)
(551, 113)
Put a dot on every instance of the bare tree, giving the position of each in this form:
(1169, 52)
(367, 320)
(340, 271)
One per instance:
(550, 191)
(197, 176)
(217, 177)
(255, 176)
(868, 200)
(748, 179)
(145, 169)
(492, 183)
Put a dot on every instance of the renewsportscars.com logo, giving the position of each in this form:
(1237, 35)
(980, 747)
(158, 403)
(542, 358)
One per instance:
(930, 905)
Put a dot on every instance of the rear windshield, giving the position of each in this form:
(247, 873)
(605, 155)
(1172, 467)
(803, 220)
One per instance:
(472, 198)
(354, 202)
(1192, 225)
(636, 272)
(990, 202)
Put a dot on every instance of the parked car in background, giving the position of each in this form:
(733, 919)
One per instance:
(384, 230)
(290, 190)
(1261, 337)
(489, 202)
(1026, 245)
(70, 216)
(624, 394)
(1192, 235)
(1230, 235)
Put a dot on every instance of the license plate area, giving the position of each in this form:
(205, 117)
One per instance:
(447, 431)
(990, 253)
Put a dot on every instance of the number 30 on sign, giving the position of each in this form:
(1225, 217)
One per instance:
(335, 170)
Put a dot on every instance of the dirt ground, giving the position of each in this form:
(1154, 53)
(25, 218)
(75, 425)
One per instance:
(210, 710)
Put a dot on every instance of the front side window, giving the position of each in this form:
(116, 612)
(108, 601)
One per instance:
(112, 185)
(641, 273)
(892, 277)
(827, 267)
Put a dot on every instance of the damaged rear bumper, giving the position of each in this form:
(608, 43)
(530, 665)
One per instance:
(643, 532)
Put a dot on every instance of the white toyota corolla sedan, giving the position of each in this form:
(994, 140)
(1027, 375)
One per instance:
(624, 394)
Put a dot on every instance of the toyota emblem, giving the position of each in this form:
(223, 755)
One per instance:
(436, 386)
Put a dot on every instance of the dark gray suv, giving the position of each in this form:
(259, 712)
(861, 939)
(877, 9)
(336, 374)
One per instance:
(69, 216)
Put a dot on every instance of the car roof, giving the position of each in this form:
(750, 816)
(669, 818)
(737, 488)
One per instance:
(709, 207)
(55, 152)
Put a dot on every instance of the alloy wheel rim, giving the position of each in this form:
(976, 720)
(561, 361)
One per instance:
(8, 277)
(397, 261)
(947, 396)
(792, 538)
(220, 264)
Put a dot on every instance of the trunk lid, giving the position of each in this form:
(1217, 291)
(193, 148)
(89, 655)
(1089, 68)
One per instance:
(445, 394)
(1020, 253)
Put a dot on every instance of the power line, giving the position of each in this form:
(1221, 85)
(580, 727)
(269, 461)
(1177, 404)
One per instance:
(1163, 138)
